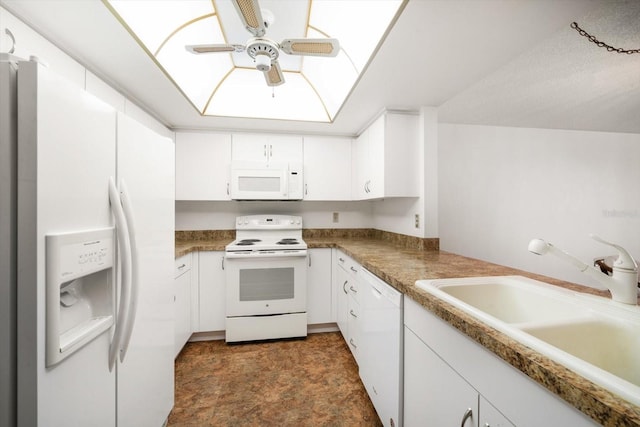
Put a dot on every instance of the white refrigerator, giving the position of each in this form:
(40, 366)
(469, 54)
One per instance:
(89, 308)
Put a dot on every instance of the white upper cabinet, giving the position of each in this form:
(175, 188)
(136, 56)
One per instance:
(386, 158)
(327, 168)
(202, 166)
(266, 148)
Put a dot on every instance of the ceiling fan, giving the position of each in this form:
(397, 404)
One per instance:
(263, 51)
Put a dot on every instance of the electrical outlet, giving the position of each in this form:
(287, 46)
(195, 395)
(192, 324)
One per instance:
(336, 217)
(417, 221)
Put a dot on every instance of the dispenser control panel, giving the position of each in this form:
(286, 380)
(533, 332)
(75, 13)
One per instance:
(79, 289)
(79, 259)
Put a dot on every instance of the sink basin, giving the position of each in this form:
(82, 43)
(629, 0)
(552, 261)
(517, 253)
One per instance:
(506, 299)
(593, 336)
(609, 345)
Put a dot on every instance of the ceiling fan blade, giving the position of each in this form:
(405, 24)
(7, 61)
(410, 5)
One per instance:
(214, 48)
(311, 47)
(251, 17)
(274, 76)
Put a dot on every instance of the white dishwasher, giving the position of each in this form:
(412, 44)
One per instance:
(381, 340)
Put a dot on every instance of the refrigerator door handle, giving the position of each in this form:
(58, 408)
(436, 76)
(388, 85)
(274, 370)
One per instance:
(124, 245)
(135, 283)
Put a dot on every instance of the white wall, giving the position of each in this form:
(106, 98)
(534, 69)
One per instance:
(222, 215)
(500, 187)
(30, 43)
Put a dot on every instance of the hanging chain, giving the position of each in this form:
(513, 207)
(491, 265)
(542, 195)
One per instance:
(591, 38)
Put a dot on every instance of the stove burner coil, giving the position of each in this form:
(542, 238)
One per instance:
(247, 242)
(287, 242)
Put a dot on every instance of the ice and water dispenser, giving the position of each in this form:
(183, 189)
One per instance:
(79, 283)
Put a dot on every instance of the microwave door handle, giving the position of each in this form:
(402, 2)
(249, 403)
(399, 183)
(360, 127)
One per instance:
(285, 185)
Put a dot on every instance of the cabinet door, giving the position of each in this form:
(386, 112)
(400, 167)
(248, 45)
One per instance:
(319, 286)
(202, 166)
(401, 154)
(249, 147)
(212, 291)
(354, 326)
(322, 182)
(434, 394)
(285, 148)
(342, 301)
(182, 299)
(490, 416)
(360, 166)
(376, 159)
(266, 148)
(182, 302)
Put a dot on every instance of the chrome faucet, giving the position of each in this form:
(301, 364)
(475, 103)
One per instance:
(623, 283)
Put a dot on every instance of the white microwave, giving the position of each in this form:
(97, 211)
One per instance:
(262, 181)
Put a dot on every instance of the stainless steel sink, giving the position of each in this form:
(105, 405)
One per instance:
(594, 336)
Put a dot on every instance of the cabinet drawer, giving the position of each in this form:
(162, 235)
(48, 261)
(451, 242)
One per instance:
(347, 263)
(354, 327)
(182, 265)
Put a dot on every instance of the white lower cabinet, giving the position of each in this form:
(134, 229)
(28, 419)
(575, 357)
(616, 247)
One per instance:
(182, 302)
(434, 394)
(348, 301)
(341, 281)
(211, 298)
(489, 416)
(369, 315)
(446, 373)
(319, 286)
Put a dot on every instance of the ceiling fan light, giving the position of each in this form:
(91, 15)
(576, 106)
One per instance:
(263, 62)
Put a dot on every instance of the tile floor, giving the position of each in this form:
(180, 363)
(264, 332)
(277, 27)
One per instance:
(298, 382)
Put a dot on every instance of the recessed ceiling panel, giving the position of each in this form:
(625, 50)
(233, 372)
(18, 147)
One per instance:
(314, 88)
(244, 94)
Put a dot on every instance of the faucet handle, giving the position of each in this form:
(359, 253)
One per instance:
(624, 261)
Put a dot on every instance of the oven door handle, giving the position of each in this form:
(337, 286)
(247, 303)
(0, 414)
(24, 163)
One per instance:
(262, 255)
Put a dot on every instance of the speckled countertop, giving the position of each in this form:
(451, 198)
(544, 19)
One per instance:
(401, 268)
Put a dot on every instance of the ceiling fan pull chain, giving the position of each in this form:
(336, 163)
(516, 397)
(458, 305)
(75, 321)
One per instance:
(598, 43)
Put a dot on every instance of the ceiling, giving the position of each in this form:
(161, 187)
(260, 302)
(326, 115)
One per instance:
(491, 62)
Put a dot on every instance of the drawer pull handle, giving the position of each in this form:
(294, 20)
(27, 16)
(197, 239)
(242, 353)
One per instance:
(341, 259)
(353, 269)
(353, 314)
(354, 290)
(343, 286)
(352, 343)
(468, 413)
(182, 266)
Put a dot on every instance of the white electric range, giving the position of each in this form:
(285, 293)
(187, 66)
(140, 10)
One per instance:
(266, 272)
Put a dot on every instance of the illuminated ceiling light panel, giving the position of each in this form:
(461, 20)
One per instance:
(222, 80)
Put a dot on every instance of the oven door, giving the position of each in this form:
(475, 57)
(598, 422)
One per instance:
(262, 285)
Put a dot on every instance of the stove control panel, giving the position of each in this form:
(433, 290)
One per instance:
(268, 222)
